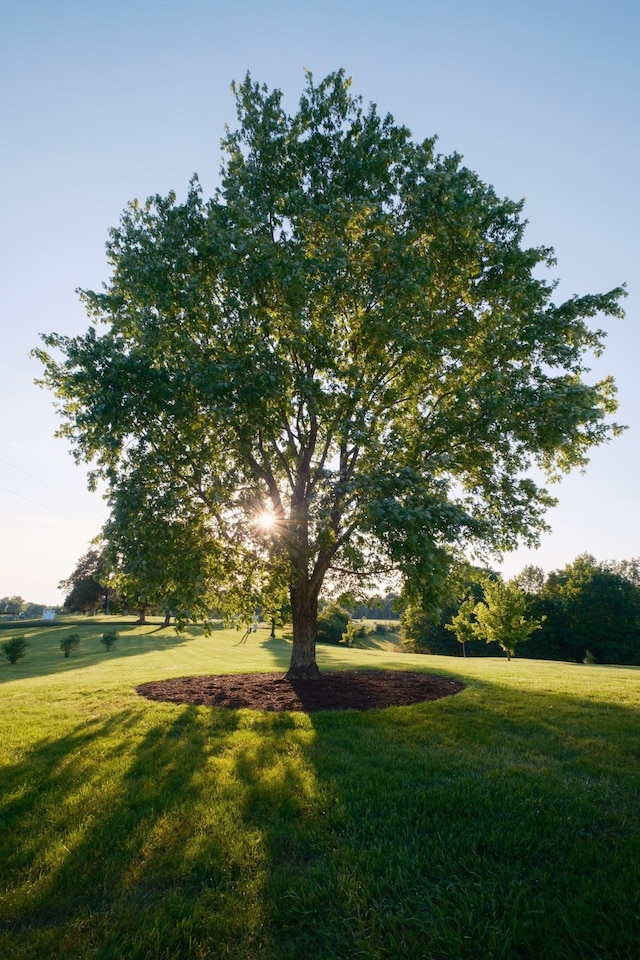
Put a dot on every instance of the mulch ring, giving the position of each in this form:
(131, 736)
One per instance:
(336, 690)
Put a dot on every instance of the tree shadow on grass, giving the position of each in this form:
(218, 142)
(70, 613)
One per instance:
(130, 832)
(97, 825)
(446, 829)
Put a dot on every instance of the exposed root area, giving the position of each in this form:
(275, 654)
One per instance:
(339, 690)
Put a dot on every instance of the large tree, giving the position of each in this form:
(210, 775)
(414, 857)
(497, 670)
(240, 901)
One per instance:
(349, 340)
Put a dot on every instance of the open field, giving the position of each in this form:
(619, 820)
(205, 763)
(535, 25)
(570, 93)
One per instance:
(503, 822)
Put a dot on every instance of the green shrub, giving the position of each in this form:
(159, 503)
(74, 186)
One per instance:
(109, 638)
(15, 649)
(332, 623)
(350, 633)
(69, 643)
(380, 628)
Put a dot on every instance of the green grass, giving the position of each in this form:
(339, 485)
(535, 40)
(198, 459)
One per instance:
(503, 822)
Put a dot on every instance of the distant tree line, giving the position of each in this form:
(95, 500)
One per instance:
(378, 608)
(15, 607)
(587, 611)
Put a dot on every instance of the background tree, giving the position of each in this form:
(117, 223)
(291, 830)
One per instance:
(387, 607)
(350, 335)
(16, 606)
(86, 590)
(32, 610)
(333, 622)
(588, 606)
(429, 629)
(423, 630)
(464, 625)
(12, 606)
(275, 606)
(531, 579)
(501, 616)
(627, 569)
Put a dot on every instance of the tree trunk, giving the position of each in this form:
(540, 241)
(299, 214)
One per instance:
(167, 619)
(304, 607)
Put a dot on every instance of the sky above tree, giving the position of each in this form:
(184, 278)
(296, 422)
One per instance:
(104, 103)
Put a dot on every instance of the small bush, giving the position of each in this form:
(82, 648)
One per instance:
(381, 629)
(109, 638)
(589, 658)
(69, 643)
(350, 633)
(15, 649)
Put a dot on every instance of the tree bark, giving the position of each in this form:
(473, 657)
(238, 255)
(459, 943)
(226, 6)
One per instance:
(304, 607)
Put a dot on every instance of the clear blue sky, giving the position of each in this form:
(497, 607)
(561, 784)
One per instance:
(104, 102)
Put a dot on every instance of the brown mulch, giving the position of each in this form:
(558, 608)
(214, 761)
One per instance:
(339, 690)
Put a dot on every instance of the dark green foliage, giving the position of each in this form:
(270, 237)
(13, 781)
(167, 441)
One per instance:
(109, 638)
(429, 630)
(379, 608)
(15, 649)
(587, 606)
(332, 624)
(69, 643)
(86, 591)
(555, 640)
(425, 631)
(86, 596)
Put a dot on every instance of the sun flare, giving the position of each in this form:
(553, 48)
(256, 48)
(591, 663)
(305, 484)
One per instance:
(266, 521)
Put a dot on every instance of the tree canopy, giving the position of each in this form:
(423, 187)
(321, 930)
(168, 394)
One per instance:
(345, 362)
(85, 587)
(589, 608)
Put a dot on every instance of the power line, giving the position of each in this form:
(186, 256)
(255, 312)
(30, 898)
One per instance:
(35, 502)
(44, 483)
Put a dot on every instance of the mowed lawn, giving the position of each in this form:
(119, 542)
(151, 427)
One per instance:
(503, 822)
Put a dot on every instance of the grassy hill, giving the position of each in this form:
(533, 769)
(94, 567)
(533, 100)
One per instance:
(503, 822)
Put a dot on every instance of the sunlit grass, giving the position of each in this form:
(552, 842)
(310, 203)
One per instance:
(502, 822)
